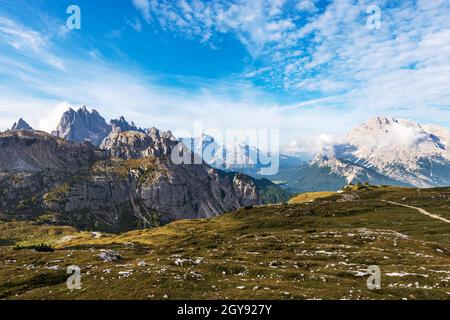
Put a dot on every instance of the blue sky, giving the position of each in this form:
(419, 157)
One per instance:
(311, 68)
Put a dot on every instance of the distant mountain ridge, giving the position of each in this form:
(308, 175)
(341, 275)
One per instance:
(240, 157)
(383, 151)
(129, 181)
(122, 125)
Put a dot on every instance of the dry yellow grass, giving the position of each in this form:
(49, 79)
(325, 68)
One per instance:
(317, 250)
(311, 196)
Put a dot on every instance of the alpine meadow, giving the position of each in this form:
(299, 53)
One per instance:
(224, 157)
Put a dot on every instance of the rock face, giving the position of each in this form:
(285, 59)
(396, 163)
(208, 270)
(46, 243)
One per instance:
(385, 151)
(122, 125)
(136, 144)
(131, 183)
(21, 125)
(32, 151)
(127, 194)
(82, 125)
(33, 163)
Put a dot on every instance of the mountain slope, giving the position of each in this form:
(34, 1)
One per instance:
(31, 151)
(381, 151)
(314, 250)
(131, 183)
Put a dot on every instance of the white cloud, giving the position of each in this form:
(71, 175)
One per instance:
(405, 65)
(254, 23)
(313, 144)
(50, 120)
(342, 74)
(27, 42)
(276, 7)
(306, 5)
(144, 7)
(15, 105)
(136, 25)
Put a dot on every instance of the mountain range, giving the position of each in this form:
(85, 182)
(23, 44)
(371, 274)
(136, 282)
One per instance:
(383, 151)
(238, 157)
(95, 175)
(380, 151)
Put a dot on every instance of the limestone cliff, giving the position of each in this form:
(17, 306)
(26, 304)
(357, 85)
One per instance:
(129, 183)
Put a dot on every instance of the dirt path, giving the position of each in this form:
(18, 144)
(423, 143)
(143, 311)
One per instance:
(420, 210)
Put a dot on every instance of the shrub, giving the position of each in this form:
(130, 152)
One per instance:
(42, 247)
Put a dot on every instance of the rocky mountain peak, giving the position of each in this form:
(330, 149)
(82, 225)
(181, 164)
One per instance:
(21, 125)
(399, 149)
(137, 187)
(205, 138)
(82, 125)
(381, 135)
(382, 126)
(122, 125)
(200, 143)
(138, 145)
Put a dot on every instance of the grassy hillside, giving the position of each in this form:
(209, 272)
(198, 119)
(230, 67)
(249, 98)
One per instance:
(310, 250)
(310, 196)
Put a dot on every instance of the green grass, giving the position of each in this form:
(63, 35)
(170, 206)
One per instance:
(310, 196)
(25, 233)
(296, 251)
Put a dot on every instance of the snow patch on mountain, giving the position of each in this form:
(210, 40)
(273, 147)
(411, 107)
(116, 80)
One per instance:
(237, 156)
(399, 149)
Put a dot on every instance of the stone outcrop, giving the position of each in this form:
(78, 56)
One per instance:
(135, 144)
(122, 125)
(21, 125)
(82, 125)
(130, 183)
(31, 151)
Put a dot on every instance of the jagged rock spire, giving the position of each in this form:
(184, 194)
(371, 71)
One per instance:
(21, 125)
(82, 125)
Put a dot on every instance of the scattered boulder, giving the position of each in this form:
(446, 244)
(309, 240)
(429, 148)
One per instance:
(110, 256)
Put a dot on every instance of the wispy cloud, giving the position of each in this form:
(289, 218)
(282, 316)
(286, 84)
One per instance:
(39, 94)
(306, 5)
(331, 51)
(27, 42)
(328, 52)
(144, 7)
(136, 25)
(335, 72)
